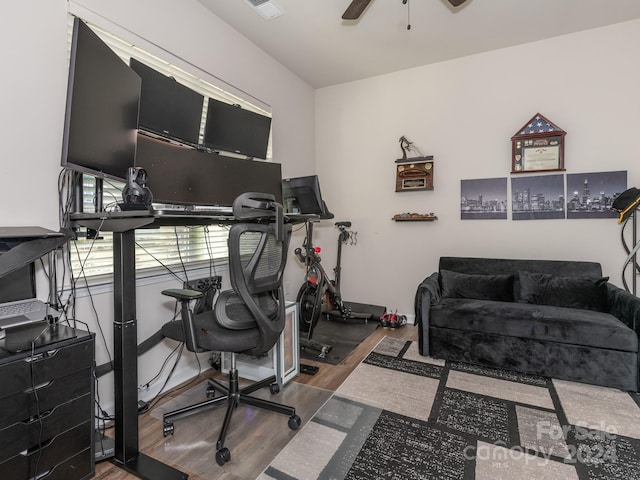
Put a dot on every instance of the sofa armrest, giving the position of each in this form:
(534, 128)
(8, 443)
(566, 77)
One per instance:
(428, 293)
(624, 306)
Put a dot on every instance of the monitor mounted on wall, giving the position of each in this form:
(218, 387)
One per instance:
(167, 107)
(231, 128)
(101, 119)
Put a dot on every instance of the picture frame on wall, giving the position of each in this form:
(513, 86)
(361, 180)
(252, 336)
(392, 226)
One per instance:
(483, 199)
(538, 197)
(591, 195)
(538, 147)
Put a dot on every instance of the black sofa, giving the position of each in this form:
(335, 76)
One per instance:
(558, 319)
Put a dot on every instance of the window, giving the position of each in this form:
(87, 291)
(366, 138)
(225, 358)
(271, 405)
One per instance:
(173, 247)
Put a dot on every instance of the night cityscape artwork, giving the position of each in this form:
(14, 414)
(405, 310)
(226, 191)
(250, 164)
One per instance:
(537, 197)
(590, 195)
(483, 199)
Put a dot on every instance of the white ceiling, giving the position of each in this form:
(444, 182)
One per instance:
(318, 46)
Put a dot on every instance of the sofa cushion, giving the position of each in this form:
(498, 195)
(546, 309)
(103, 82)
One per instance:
(570, 292)
(481, 287)
(502, 266)
(541, 322)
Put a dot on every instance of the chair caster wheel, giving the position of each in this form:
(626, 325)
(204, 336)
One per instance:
(210, 392)
(223, 456)
(167, 429)
(294, 422)
(274, 388)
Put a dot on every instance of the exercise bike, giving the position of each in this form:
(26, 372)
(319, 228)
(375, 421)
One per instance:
(319, 295)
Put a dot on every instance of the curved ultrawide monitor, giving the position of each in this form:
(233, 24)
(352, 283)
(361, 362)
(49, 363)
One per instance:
(101, 120)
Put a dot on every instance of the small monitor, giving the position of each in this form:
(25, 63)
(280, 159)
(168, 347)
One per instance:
(302, 195)
(167, 107)
(101, 121)
(231, 128)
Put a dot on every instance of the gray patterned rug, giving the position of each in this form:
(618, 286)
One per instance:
(403, 416)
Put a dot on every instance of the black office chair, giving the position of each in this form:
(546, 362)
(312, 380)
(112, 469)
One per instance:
(247, 319)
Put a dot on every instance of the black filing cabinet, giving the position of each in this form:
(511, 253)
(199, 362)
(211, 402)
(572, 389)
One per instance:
(46, 404)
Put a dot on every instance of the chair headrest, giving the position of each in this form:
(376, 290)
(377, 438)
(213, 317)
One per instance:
(255, 206)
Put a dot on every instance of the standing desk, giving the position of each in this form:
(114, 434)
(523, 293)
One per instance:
(125, 332)
(125, 335)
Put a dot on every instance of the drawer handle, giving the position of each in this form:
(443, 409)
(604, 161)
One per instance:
(30, 451)
(37, 418)
(43, 475)
(37, 387)
(41, 356)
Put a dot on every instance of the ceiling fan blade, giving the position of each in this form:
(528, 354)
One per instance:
(457, 3)
(355, 9)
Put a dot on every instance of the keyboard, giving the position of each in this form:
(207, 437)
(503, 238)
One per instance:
(22, 312)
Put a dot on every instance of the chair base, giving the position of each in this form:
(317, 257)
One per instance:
(233, 396)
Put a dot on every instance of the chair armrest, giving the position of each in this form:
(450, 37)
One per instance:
(428, 293)
(624, 306)
(182, 293)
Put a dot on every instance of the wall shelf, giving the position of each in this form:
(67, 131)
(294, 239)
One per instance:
(414, 217)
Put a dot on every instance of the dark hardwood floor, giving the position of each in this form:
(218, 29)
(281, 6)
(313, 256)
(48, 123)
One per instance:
(329, 378)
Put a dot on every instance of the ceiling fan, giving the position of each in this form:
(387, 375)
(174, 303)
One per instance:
(356, 7)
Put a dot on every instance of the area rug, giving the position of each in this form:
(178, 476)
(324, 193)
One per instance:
(342, 335)
(403, 416)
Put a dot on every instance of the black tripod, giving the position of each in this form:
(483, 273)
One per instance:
(319, 295)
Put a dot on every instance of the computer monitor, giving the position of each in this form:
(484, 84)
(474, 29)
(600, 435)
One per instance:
(167, 107)
(231, 128)
(302, 195)
(101, 117)
(187, 176)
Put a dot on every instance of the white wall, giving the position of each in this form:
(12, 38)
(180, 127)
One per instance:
(33, 86)
(464, 112)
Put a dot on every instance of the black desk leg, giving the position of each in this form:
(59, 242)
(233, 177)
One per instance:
(125, 337)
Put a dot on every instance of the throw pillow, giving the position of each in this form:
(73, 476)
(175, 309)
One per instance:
(479, 287)
(570, 292)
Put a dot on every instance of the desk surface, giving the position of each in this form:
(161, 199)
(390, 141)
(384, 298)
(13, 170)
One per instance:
(122, 221)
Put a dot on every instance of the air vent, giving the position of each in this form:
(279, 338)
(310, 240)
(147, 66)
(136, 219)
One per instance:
(266, 8)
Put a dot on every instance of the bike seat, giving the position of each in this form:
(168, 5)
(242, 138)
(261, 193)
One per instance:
(343, 224)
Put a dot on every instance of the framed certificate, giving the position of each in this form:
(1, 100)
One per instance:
(538, 147)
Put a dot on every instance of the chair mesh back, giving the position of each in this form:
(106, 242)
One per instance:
(256, 265)
(268, 268)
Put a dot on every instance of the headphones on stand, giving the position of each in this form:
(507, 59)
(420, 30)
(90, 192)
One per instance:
(136, 192)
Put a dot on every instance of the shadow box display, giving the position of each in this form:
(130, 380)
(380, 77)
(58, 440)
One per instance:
(414, 174)
(538, 147)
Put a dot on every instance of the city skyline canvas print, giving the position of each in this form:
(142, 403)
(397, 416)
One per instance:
(537, 197)
(483, 199)
(590, 195)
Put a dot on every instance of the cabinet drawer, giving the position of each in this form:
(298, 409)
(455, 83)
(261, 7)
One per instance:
(20, 375)
(76, 468)
(44, 397)
(29, 432)
(56, 452)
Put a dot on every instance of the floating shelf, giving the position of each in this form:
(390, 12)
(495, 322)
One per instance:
(414, 217)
